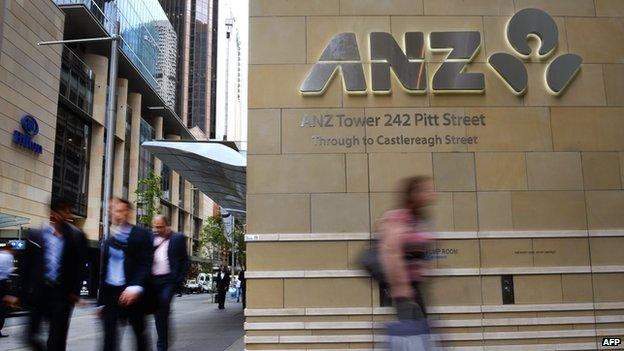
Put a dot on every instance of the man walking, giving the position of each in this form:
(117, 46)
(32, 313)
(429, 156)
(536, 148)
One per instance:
(52, 269)
(168, 273)
(126, 268)
(6, 268)
(223, 284)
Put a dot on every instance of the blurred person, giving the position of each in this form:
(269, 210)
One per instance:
(52, 272)
(223, 284)
(404, 241)
(169, 269)
(237, 285)
(6, 298)
(126, 269)
(243, 286)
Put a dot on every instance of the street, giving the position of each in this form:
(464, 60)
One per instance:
(197, 324)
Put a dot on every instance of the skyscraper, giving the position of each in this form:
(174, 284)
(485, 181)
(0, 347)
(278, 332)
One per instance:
(166, 64)
(195, 22)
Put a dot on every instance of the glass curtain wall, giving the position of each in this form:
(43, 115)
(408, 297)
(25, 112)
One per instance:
(71, 159)
(73, 131)
(127, 144)
(137, 21)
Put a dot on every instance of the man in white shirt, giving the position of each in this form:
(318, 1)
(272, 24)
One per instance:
(169, 271)
(6, 268)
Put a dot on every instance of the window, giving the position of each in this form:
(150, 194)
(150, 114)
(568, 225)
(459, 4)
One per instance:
(126, 176)
(76, 82)
(195, 205)
(197, 226)
(71, 159)
(165, 210)
(181, 193)
(181, 221)
(165, 181)
(146, 159)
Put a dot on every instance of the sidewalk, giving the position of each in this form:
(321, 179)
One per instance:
(197, 325)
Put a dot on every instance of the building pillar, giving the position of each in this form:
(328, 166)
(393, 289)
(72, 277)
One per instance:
(157, 123)
(175, 189)
(134, 101)
(99, 65)
(120, 134)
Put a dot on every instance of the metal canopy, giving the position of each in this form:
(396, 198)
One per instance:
(8, 220)
(215, 169)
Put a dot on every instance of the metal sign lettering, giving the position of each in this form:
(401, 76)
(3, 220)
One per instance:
(342, 57)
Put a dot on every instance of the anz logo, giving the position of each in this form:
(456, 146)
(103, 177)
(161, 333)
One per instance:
(342, 55)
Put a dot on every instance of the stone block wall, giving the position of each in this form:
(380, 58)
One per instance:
(539, 197)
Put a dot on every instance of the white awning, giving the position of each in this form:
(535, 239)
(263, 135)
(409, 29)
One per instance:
(215, 169)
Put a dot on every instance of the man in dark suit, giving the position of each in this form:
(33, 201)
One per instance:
(169, 270)
(6, 296)
(223, 284)
(126, 269)
(52, 269)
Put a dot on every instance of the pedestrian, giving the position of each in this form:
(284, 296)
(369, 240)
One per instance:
(52, 269)
(243, 286)
(170, 266)
(223, 284)
(6, 298)
(237, 283)
(126, 269)
(404, 241)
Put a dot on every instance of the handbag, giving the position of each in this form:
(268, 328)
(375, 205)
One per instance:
(409, 335)
(371, 262)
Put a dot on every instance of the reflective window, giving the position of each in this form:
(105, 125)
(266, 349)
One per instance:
(128, 136)
(181, 221)
(71, 159)
(146, 159)
(139, 22)
(76, 82)
(165, 181)
(181, 193)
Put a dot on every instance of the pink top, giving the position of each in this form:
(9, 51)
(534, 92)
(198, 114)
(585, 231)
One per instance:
(403, 248)
(161, 256)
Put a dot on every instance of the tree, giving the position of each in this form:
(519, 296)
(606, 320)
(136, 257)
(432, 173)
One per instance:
(148, 194)
(215, 243)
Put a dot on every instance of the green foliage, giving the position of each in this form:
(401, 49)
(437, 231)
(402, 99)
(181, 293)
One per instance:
(213, 240)
(148, 194)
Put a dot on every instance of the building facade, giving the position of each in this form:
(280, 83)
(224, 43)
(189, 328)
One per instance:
(195, 22)
(528, 171)
(63, 89)
(166, 67)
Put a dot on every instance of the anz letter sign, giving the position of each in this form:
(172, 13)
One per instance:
(342, 55)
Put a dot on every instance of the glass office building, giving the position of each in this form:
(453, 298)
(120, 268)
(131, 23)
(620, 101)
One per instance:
(139, 22)
(195, 23)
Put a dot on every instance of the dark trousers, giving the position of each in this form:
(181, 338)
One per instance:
(114, 313)
(244, 295)
(221, 294)
(164, 289)
(4, 290)
(53, 305)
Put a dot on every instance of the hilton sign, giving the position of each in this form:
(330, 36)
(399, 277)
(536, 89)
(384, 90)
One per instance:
(342, 55)
(31, 128)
